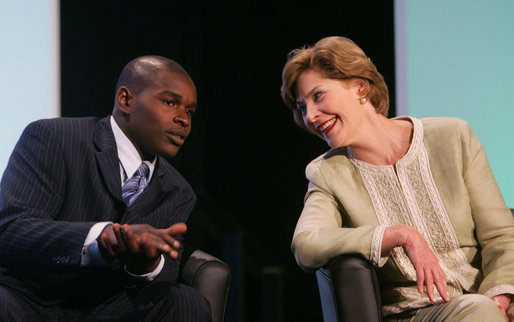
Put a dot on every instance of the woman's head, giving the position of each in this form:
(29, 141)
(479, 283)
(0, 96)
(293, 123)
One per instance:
(335, 58)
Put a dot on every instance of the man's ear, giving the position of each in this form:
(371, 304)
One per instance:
(124, 99)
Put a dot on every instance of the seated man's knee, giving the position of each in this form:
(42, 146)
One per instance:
(184, 303)
(14, 308)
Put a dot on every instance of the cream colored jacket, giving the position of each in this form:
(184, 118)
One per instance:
(443, 187)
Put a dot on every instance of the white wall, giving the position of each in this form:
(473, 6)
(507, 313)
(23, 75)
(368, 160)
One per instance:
(29, 67)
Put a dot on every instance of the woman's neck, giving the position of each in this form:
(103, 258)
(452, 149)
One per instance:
(383, 141)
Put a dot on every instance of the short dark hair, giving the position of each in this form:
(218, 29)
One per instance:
(141, 71)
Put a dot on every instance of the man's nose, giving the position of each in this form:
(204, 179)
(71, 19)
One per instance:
(182, 118)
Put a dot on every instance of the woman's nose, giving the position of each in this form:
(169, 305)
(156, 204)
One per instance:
(311, 113)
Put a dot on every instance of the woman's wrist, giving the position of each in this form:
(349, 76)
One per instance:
(395, 236)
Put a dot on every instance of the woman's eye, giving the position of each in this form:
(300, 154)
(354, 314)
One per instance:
(316, 96)
(301, 108)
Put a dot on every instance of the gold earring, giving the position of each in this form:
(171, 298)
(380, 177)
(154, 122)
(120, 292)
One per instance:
(363, 100)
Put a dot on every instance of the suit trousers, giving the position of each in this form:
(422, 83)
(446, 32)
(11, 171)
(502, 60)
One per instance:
(162, 301)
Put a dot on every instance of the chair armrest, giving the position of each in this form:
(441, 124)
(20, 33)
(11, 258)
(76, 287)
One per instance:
(211, 277)
(349, 290)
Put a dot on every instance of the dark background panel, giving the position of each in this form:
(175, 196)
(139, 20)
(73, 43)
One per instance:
(245, 157)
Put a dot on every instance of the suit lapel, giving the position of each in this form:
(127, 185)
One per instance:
(107, 157)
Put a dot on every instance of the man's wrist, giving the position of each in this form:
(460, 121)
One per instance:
(152, 274)
(92, 253)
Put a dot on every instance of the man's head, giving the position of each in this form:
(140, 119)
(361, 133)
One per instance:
(155, 99)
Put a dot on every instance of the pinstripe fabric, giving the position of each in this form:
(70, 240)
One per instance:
(62, 177)
(165, 301)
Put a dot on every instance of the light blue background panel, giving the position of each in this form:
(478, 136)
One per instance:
(456, 58)
(29, 67)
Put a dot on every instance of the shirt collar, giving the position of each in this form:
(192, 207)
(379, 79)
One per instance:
(129, 158)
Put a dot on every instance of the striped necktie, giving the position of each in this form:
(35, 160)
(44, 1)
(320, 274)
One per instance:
(135, 185)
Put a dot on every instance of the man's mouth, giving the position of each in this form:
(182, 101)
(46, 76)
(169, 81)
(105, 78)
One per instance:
(176, 137)
(327, 125)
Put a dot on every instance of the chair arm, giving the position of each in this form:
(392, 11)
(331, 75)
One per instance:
(349, 290)
(211, 277)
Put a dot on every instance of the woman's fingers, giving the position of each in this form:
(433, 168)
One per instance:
(431, 278)
(442, 286)
(428, 270)
(429, 282)
(420, 274)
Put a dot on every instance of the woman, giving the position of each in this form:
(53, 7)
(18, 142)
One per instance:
(414, 196)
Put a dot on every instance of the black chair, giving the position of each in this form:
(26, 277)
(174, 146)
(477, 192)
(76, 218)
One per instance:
(349, 289)
(209, 275)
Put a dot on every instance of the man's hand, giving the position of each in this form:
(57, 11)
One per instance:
(139, 247)
(425, 262)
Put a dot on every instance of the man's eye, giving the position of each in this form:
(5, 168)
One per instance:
(171, 103)
(190, 111)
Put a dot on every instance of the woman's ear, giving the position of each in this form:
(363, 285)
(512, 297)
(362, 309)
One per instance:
(124, 99)
(361, 87)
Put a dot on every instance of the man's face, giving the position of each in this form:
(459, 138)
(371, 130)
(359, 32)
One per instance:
(160, 115)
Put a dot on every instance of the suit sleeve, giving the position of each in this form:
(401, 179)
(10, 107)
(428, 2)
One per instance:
(493, 220)
(171, 266)
(33, 188)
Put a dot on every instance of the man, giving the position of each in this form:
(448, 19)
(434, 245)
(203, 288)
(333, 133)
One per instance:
(92, 212)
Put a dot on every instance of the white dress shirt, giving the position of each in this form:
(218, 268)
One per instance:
(130, 160)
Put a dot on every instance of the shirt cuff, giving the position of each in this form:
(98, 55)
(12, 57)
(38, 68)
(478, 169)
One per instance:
(376, 257)
(500, 289)
(149, 276)
(91, 255)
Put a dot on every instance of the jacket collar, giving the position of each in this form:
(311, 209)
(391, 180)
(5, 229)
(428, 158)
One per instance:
(108, 163)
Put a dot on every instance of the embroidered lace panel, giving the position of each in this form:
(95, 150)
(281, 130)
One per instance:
(409, 197)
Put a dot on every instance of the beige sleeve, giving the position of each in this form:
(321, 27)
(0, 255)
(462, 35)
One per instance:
(319, 234)
(494, 223)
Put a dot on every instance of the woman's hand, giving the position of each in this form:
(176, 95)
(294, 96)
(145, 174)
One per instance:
(426, 264)
(502, 301)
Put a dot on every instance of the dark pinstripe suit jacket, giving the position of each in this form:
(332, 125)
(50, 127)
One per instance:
(63, 177)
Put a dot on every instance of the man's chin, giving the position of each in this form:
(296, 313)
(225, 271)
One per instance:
(170, 152)
(167, 153)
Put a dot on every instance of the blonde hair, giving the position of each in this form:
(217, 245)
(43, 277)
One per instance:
(336, 58)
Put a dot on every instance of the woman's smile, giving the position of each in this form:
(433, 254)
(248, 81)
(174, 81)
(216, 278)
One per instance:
(326, 126)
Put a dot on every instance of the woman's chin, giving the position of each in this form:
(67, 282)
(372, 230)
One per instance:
(334, 144)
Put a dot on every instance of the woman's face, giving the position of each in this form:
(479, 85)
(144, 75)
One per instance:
(330, 108)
